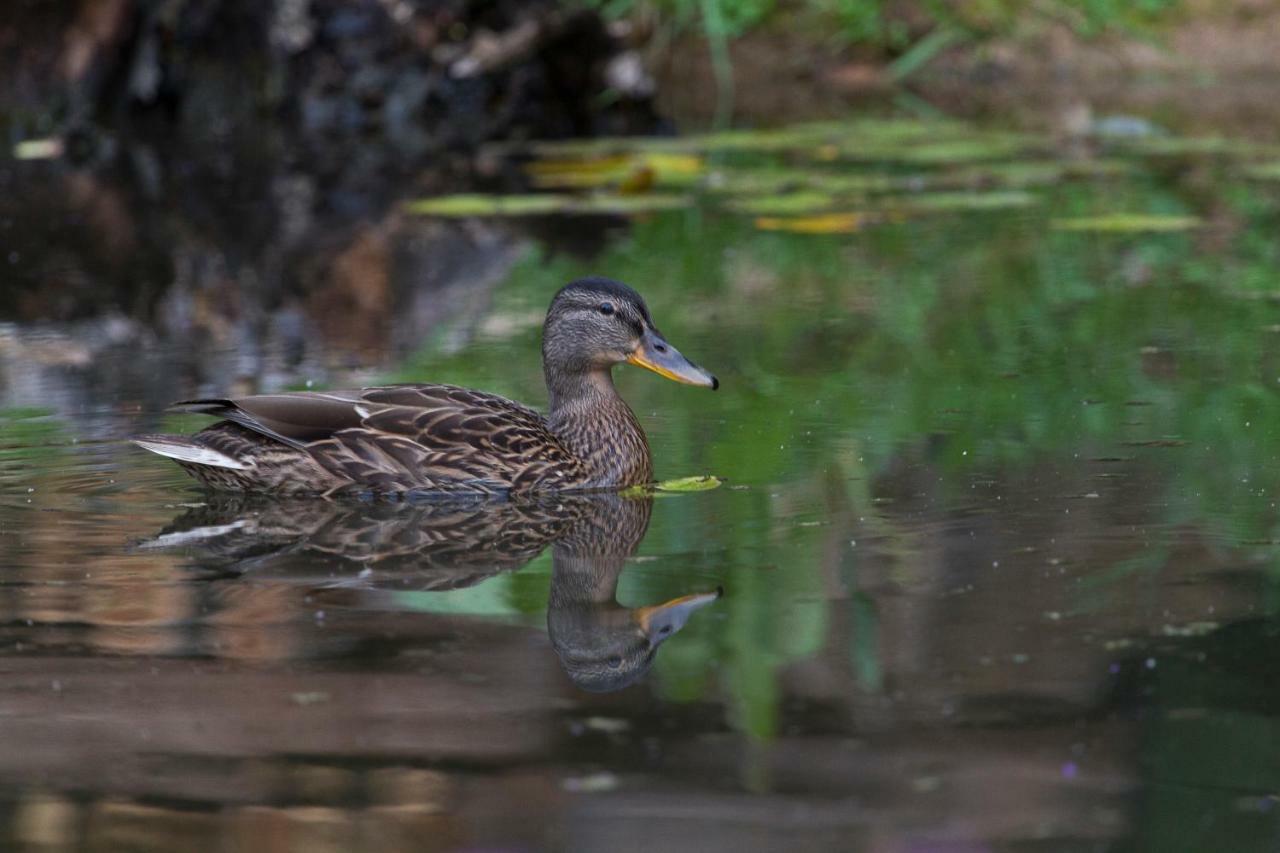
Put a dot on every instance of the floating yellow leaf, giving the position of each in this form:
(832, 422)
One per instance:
(632, 172)
(828, 223)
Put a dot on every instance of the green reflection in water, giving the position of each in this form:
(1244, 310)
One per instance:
(29, 436)
(997, 337)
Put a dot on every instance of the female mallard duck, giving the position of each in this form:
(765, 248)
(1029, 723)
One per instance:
(442, 438)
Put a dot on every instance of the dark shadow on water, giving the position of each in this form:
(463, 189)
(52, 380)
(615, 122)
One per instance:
(351, 554)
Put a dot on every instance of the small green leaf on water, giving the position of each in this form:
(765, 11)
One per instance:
(1121, 223)
(466, 205)
(798, 136)
(942, 202)
(689, 484)
(476, 204)
(1264, 171)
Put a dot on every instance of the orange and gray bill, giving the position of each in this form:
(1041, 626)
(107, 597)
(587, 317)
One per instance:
(663, 359)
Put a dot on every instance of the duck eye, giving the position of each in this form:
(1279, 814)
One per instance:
(606, 308)
(615, 661)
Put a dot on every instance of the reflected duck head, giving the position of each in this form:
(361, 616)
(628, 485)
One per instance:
(595, 323)
(605, 647)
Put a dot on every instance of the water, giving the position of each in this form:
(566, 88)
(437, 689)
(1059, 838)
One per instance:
(996, 537)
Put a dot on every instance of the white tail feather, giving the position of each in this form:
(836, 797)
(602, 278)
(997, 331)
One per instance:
(191, 452)
(191, 537)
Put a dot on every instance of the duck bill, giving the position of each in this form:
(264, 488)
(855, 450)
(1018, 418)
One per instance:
(662, 620)
(662, 358)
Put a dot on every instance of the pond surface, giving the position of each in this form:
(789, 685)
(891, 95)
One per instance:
(996, 536)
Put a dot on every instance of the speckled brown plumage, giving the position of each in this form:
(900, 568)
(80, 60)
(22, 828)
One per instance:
(443, 438)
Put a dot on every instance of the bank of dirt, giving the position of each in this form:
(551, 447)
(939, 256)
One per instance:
(1215, 69)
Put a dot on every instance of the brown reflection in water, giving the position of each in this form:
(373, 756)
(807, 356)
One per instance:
(357, 555)
(291, 736)
(253, 621)
(986, 712)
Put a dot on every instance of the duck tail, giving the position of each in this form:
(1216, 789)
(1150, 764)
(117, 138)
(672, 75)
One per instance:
(188, 450)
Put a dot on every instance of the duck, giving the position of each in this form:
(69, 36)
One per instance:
(438, 438)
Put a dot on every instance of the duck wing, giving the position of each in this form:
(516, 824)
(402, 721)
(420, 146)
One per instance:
(410, 437)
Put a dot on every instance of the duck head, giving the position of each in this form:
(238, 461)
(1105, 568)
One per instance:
(596, 323)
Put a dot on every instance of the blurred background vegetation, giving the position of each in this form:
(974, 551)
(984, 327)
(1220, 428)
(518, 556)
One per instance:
(991, 287)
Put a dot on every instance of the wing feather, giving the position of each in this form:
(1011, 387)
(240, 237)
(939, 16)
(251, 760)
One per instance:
(409, 437)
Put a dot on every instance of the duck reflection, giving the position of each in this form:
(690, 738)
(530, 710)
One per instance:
(603, 645)
(355, 553)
